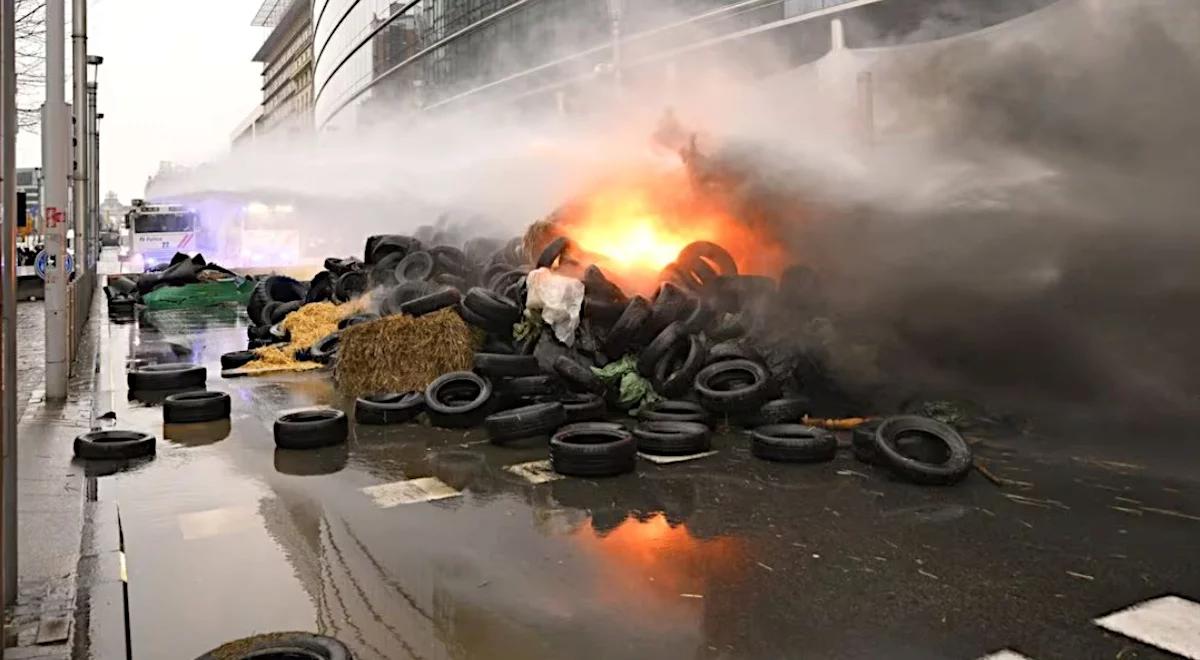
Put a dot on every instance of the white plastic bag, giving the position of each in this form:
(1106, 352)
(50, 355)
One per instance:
(559, 299)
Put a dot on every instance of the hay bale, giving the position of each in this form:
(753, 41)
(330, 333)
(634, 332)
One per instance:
(403, 354)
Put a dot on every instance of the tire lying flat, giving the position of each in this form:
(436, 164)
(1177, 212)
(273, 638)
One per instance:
(672, 438)
(593, 449)
(952, 470)
(171, 376)
(310, 429)
(537, 420)
(192, 407)
(108, 445)
(384, 409)
(793, 443)
(285, 645)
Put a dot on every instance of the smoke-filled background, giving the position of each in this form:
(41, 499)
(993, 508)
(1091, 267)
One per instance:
(1020, 226)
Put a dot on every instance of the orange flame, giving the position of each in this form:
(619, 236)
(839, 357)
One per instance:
(634, 227)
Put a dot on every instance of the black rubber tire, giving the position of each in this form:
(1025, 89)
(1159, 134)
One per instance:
(431, 303)
(779, 411)
(675, 374)
(383, 273)
(382, 409)
(461, 411)
(114, 445)
(312, 428)
(350, 286)
(325, 349)
(593, 449)
(712, 252)
(401, 294)
(537, 420)
(339, 267)
(731, 350)
(258, 332)
(602, 313)
(170, 376)
(498, 312)
(356, 319)
(381, 245)
(499, 283)
(451, 280)
(416, 267)
(448, 260)
(672, 438)
(670, 304)
(279, 334)
(578, 377)
(628, 328)
(288, 645)
(583, 407)
(675, 411)
(657, 350)
(726, 328)
(699, 317)
(862, 443)
(281, 310)
(596, 285)
(553, 250)
(268, 311)
(237, 359)
(472, 319)
(699, 270)
(528, 387)
(793, 443)
(276, 288)
(956, 467)
(191, 407)
(734, 399)
(499, 365)
(320, 288)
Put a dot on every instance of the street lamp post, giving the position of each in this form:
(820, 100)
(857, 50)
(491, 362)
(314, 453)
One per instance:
(93, 166)
(8, 303)
(82, 141)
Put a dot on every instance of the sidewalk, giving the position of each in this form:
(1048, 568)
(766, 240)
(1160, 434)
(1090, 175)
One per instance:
(59, 573)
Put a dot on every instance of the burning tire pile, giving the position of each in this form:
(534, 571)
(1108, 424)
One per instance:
(558, 347)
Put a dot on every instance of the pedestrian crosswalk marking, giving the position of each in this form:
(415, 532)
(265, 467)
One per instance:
(411, 491)
(535, 472)
(1170, 623)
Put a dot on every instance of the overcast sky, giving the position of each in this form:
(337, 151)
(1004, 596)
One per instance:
(176, 81)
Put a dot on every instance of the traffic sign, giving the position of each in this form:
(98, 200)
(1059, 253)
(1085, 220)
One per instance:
(43, 260)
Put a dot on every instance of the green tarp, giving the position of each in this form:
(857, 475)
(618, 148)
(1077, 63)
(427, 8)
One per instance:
(204, 294)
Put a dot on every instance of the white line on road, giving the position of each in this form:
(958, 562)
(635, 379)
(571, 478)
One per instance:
(1005, 655)
(1170, 623)
(535, 472)
(425, 489)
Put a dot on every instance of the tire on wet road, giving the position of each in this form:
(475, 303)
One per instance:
(675, 411)
(593, 449)
(585, 407)
(192, 407)
(458, 400)
(114, 445)
(310, 429)
(536, 420)
(381, 409)
(777, 411)
(721, 387)
(170, 376)
(237, 359)
(298, 645)
(793, 443)
(672, 438)
(862, 443)
(952, 470)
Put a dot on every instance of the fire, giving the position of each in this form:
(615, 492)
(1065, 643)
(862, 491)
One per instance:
(636, 226)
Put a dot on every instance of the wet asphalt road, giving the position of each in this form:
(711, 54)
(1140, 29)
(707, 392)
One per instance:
(722, 557)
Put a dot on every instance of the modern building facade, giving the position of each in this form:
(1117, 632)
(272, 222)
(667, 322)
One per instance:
(387, 56)
(286, 56)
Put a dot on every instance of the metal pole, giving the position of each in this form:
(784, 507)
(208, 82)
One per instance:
(56, 147)
(79, 176)
(8, 300)
(94, 180)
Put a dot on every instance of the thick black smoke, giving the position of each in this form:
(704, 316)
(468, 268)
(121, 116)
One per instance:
(1027, 227)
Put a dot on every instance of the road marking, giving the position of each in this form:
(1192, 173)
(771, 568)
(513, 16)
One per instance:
(412, 491)
(535, 472)
(1005, 655)
(1170, 623)
(215, 522)
(667, 460)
